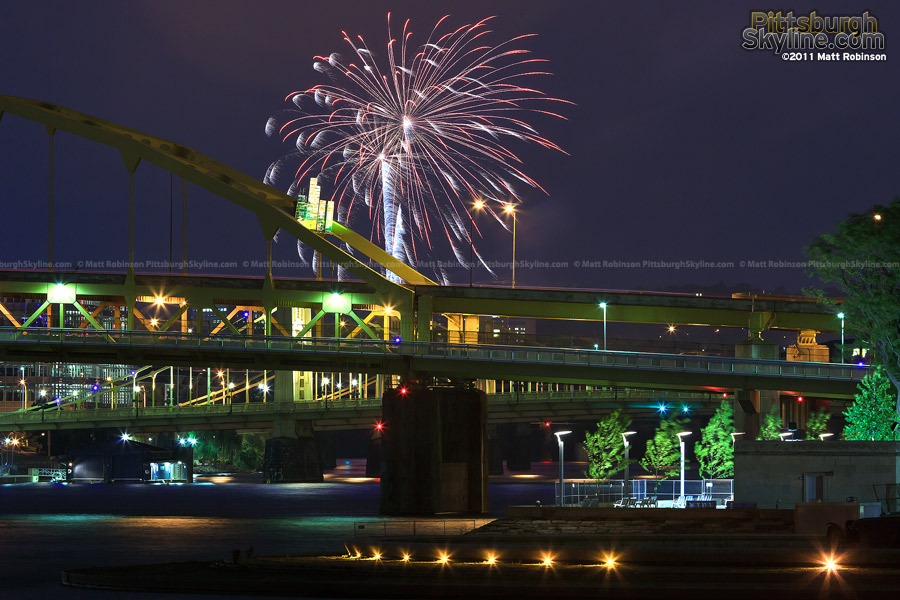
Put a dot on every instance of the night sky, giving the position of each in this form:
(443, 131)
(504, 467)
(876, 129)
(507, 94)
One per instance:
(682, 145)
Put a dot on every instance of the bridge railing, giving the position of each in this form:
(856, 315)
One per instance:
(472, 352)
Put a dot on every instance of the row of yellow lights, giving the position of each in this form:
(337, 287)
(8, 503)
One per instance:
(829, 563)
(546, 560)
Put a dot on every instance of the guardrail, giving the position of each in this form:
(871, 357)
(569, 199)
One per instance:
(447, 351)
(367, 529)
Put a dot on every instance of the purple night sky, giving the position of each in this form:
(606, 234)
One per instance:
(683, 146)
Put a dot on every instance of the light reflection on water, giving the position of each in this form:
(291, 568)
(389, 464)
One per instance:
(45, 529)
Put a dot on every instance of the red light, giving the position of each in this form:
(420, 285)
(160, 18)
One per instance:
(379, 425)
(403, 391)
(799, 398)
(547, 424)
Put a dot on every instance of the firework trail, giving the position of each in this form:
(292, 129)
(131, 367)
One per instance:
(418, 137)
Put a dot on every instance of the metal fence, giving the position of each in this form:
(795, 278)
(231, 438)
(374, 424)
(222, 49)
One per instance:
(366, 529)
(665, 492)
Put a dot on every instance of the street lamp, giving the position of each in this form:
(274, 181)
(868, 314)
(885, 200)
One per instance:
(840, 316)
(625, 435)
(479, 205)
(603, 306)
(511, 210)
(24, 392)
(681, 437)
(559, 435)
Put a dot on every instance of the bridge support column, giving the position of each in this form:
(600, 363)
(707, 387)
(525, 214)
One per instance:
(519, 458)
(751, 403)
(373, 455)
(292, 455)
(495, 451)
(434, 449)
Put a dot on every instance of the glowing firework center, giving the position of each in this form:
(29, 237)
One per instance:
(312, 212)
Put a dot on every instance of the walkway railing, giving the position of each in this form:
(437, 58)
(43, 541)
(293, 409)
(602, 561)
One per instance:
(666, 492)
(458, 352)
(366, 529)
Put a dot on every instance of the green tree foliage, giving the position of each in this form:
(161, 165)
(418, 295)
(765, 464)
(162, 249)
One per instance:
(663, 455)
(715, 450)
(817, 424)
(873, 414)
(771, 423)
(858, 257)
(605, 447)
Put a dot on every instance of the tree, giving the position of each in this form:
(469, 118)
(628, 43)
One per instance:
(663, 454)
(817, 424)
(771, 423)
(605, 447)
(863, 257)
(873, 414)
(715, 450)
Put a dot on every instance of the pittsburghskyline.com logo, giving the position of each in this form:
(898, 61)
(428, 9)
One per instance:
(838, 37)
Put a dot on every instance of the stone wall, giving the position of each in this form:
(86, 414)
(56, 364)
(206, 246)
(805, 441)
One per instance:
(831, 471)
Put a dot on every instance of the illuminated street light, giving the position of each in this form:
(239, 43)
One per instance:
(24, 391)
(478, 205)
(625, 435)
(559, 435)
(603, 306)
(840, 316)
(681, 437)
(510, 209)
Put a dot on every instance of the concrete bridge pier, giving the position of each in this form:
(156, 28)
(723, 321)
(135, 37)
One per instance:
(750, 404)
(434, 451)
(373, 455)
(495, 451)
(292, 455)
(519, 458)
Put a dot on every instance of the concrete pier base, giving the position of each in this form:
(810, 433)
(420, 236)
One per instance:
(519, 458)
(292, 455)
(434, 451)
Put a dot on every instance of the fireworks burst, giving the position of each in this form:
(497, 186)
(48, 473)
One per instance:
(417, 139)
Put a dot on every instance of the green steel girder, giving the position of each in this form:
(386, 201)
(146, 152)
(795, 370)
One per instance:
(273, 209)
(631, 307)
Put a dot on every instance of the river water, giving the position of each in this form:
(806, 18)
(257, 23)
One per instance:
(46, 528)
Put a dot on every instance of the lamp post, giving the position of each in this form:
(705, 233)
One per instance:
(24, 392)
(479, 204)
(625, 435)
(559, 435)
(511, 210)
(681, 437)
(603, 306)
(840, 316)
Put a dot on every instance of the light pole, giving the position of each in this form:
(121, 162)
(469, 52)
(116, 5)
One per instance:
(681, 437)
(479, 204)
(603, 306)
(511, 210)
(625, 435)
(24, 392)
(559, 435)
(840, 316)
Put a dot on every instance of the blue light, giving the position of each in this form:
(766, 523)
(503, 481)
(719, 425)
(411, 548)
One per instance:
(398, 339)
(861, 363)
(662, 408)
(685, 408)
(95, 387)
